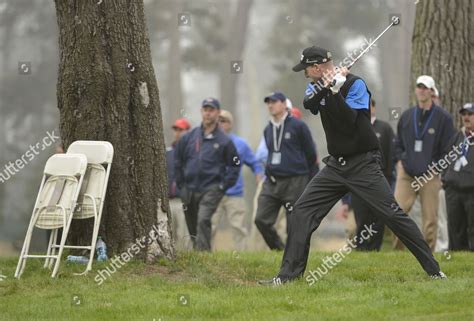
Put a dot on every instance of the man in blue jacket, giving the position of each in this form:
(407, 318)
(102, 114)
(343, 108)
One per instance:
(291, 162)
(233, 203)
(206, 164)
(423, 135)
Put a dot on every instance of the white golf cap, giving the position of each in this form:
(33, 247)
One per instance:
(429, 82)
(289, 104)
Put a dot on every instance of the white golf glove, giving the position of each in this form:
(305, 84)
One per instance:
(338, 81)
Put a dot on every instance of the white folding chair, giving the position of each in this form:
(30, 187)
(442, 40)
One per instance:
(90, 202)
(54, 205)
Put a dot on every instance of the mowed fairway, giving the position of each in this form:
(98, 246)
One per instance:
(222, 286)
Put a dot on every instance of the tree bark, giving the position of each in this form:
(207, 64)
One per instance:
(107, 90)
(443, 40)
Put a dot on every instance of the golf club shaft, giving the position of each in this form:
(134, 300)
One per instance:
(394, 22)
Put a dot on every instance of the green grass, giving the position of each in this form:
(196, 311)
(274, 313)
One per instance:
(222, 286)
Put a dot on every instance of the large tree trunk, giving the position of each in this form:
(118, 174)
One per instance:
(107, 91)
(443, 40)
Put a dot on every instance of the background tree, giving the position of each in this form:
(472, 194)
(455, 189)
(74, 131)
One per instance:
(26, 108)
(220, 31)
(107, 90)
(443, 43)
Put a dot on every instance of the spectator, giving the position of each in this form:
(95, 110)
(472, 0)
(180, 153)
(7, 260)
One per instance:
(364, 214)
(459, 186)
(422, 136)
(180, 127)
(291, 162)
(233, 204)
(262, 154)
(206, 164)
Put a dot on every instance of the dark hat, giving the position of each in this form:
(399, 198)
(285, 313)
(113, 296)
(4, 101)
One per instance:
(274, 96)
(313, 56)
(211, 102)
(467, 107)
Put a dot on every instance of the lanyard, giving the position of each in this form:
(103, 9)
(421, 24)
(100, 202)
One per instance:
(277, 142)
(423, 132)
(465, 145)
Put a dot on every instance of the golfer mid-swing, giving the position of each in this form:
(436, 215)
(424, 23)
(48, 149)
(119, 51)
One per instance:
(353, 165)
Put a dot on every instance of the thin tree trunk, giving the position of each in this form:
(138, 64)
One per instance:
(107, 90)
(175, 103)
(237, 34)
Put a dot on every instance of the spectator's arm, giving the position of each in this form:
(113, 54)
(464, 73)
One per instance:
(399, 144)
(262, 152)
(309, 147)
(447, 134)
(179, 161)
(391, 150)
(251, 161)
(233, 164)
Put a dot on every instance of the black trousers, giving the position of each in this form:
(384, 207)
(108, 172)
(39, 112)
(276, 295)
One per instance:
(460, 208)
(273, 196)
(198, 210)
(360, 174)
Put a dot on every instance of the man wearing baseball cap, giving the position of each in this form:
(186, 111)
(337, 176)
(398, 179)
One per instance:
(458, 183)
(233, 203)
(180, 127)
(353, 165)
(423, 134)
(206, 165)
(291, 162)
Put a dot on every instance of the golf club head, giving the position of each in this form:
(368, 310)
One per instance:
(395, 19)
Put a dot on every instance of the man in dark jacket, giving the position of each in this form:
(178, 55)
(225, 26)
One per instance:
(342, 100)
(364, 215)
(422, 137)
(291, 161)
(458, 183)
(206, 164)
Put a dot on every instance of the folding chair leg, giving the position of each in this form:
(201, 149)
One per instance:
(50, 244)
(53, 249)
(95, 232)
(24, 251)
(61, 248)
